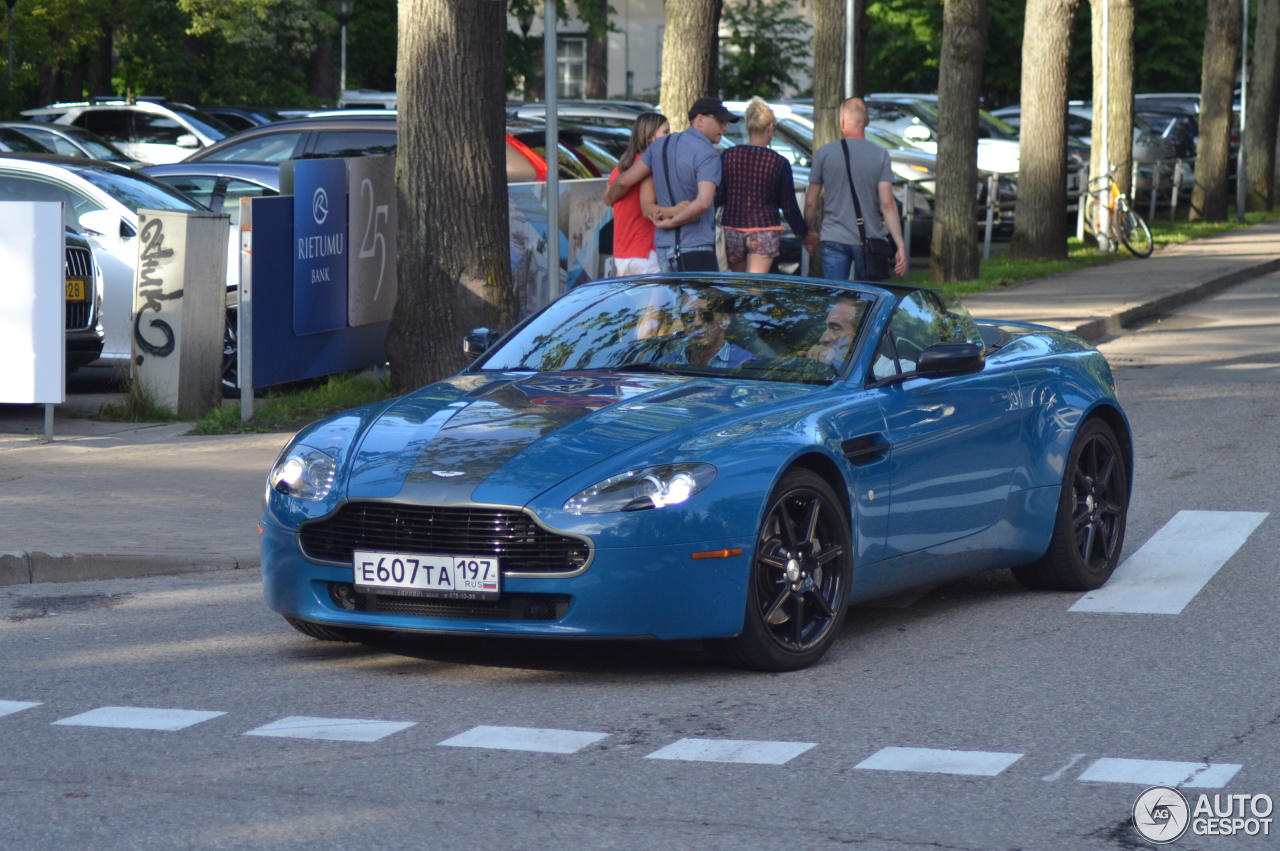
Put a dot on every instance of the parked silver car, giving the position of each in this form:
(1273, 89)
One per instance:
(147, 130)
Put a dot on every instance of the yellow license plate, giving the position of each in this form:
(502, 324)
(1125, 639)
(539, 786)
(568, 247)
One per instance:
(75, 289)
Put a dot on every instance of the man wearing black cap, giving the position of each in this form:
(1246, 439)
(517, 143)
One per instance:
(686, 171)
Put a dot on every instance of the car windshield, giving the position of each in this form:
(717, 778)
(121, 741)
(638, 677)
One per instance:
(748, 329)
(100, 148)
(137, 191)
(212, 127)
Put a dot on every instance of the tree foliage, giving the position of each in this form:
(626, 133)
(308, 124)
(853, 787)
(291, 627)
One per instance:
(763, 50)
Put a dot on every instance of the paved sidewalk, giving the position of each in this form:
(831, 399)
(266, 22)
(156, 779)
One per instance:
(113, 500)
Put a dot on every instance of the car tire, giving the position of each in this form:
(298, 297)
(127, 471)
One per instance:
(345, 634)
(1088, 529)
(801, 569)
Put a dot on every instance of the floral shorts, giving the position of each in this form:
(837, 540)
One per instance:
(739, 243)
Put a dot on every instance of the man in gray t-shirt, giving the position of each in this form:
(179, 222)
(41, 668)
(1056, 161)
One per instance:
(686, 172)
(840, 243)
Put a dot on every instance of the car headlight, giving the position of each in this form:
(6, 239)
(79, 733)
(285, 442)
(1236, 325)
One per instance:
(637, 490)
(304, 473)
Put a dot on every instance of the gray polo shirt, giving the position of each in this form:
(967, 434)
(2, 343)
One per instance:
(692, 159)
(870, 166)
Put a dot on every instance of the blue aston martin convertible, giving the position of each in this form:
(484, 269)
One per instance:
(729, 458)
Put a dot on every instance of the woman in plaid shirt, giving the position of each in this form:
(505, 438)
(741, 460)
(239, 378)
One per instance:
(757, 182)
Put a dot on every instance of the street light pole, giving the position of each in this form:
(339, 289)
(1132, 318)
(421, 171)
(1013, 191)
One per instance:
(345, 8)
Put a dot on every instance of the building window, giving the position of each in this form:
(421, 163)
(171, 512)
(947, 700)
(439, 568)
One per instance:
(571, 65)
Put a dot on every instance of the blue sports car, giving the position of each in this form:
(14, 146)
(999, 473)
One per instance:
(729, 458)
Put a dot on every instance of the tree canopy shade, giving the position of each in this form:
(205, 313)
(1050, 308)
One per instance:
(451, 186)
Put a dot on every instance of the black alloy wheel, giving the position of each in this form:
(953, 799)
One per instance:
(1088, 531)
(230, 356)
(800, 575)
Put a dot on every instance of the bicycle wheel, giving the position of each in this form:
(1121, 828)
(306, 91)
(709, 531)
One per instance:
(1133, 231)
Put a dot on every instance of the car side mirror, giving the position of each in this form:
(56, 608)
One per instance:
(477, 341)
(187, 140)
(942, 359)
(917, 133)
(103, 223)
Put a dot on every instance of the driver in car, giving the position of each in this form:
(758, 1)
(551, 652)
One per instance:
(705, 344)
(833, 346)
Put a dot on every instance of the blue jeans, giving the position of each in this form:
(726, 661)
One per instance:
(839, 258)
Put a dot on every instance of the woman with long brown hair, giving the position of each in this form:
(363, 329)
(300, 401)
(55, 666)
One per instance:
(633, 252)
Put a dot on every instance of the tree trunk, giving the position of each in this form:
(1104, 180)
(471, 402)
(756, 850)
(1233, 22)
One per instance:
(690, 55)
(955, 255)
(451, 186)
(597, 55)
(1209, 197)
(1263, 109)
(828, 69)
(1119, 119)
(1040, 227)
(98, 79)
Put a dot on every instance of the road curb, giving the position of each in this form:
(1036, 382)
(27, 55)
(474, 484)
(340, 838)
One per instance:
(26, 567)
(1103, 328)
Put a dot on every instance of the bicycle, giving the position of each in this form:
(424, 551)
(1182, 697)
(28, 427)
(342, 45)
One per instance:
(1125, 225)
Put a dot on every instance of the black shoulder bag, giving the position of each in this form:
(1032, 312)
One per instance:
(877, 253)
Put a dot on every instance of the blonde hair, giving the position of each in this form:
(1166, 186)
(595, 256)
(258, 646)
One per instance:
(758, 116)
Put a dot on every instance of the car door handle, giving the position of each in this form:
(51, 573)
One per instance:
(1001, 396)
(864, 448)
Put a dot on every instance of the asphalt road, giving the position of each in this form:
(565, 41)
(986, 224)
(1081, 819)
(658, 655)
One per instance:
(975, 716)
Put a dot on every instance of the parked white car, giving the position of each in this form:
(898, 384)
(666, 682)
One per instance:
(102, 201)
(148, 131)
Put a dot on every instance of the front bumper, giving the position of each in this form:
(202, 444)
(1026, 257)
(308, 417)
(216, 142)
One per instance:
(656, 591)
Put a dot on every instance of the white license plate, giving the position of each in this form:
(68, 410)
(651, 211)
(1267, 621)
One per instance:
(427, 575)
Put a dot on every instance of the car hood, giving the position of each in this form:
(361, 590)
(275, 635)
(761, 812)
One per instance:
(504, 439)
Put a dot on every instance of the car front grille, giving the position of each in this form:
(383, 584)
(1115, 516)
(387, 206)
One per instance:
(79, 264)
(521, 607)
(520, 544)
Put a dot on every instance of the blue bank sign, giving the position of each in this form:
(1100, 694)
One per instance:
(320, 238)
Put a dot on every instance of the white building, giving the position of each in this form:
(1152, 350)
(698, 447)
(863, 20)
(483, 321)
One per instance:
(634, 51)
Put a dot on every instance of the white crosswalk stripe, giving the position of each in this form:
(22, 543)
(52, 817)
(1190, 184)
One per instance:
(1167, 571)
(524, 739)
(330, 729)
(139, 718)
(732, 750)
(936, 761)
(8, 707)
(1150, 772)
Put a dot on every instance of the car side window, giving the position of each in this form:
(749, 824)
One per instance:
(353, 143)
(114, 125)
(234, 190)
(156, 129)
(921, 319)
(54, 142)
(267, 148)
(200, 187)
(15, 187)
